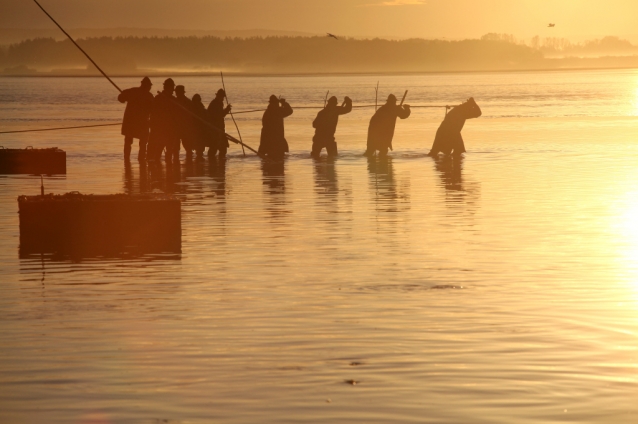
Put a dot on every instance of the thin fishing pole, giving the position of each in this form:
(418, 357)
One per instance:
(231, 113)
(76, 45)
(229, 137)
(59, 128)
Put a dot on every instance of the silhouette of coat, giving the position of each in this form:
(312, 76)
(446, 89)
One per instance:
(382, 124)
(201, 131)
(273, 141)
(448, 136)
(137, 113)
(325, 123)
(164, 132)
(183, 119)
(217, 113)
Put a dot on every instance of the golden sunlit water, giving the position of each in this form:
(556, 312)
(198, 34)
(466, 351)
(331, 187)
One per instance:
(501, 289)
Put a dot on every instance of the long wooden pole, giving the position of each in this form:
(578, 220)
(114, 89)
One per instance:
(231, 114)
(231, 138)
(76, 45)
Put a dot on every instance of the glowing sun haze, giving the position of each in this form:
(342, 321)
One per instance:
(575, 19)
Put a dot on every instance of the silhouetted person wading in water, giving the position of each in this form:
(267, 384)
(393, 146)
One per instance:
(164, 131)
(448, 137)
(185, 121)
(381, 129)
(273, 141)
(325, 125)
(217, 114)
(201, 131)
(139, 102)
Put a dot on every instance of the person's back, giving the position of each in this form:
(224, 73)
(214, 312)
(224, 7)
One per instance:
(273, 141)
(163, 121)
(448, 137)
(325, 125)
(382, 126)
(135, 124)
(217, 115)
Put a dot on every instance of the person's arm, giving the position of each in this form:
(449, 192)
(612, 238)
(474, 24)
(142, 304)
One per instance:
(286, 110)
(227, 110)
(404, 111)
(347, 106)
(123, 97)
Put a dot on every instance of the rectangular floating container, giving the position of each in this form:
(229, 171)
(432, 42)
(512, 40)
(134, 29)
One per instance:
(32, 161)
(78, 224)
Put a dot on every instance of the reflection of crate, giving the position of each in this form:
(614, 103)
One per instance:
(86, 225)
(32, 161)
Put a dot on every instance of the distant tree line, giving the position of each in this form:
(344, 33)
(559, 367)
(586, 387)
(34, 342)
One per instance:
(272, 54)
(296, 54)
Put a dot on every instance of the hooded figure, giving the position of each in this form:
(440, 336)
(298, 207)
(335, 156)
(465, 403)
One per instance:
(135, 124)
(381, 128)
(164, 132)
(448, 136)
(325, 125)
(185, 121)
(217, 114)
(201, 131)
(273, 141)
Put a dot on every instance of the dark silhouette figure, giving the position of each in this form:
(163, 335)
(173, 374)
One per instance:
(164, 132)
(185, 121)
(217, 114)
(273, 141)
(201, 131)
(332, 36)
(139, 102)
(381, 129)
(325, 125)
(448, 137)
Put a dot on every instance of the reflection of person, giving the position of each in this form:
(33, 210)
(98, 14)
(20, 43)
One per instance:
(217, 114)
(163, 124)
(273, 140)
(325, 125)
(139, 101)
(448, 137)
(381, 129)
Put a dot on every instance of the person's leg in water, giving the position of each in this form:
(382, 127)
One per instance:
(317, 147)
(331, 148)
(128, 145)
(222, 152)
(383, 152)
(141, 155)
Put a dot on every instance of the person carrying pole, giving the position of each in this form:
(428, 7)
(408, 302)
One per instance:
(448, 137)
(273, 142)
(382, 124)
(135, 124)
(217, 113)
(325, 125)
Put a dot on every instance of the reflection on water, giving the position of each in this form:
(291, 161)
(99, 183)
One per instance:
(500, 288)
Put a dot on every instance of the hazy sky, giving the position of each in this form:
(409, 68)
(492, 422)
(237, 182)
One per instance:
(574, 19)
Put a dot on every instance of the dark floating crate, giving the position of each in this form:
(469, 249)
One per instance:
(32, 161)
(86, 225)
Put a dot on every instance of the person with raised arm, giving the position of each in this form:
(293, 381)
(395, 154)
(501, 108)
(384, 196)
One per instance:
(135, 124)
(325, 125)
(217, 113)
(382, 124)
(273, 142)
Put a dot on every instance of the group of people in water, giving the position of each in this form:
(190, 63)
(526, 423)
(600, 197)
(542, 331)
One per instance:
(168, 120)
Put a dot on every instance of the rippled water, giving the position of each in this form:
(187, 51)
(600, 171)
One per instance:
(501, 289)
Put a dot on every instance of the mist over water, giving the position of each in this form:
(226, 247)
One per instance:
(499, 289)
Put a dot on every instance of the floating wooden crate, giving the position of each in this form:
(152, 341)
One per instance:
(32, 161)
(74, 224)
